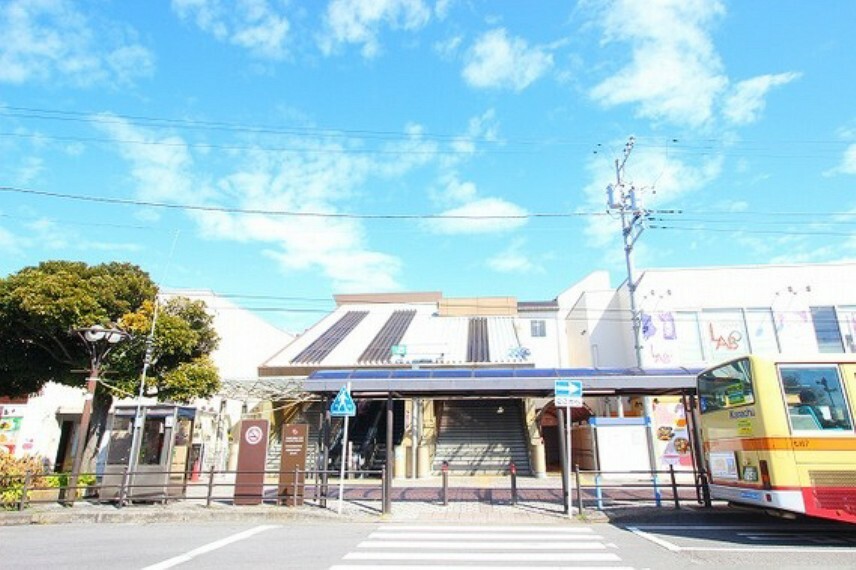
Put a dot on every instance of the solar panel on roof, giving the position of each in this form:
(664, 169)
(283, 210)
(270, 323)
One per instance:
(324, 344)
(452, 374)
(330, 374)
(380, 348)
(370, 374)
(494, 373)
(411, 374)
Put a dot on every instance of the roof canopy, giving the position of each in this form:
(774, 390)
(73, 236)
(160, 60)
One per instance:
(503, 381)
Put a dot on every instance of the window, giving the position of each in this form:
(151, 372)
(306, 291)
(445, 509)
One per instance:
(762, 331)
(153, 440)
(826, 329)
(121, 435)
(689, 340)
(726, 386)
(538, 327)
(815, 398)
(847, 320)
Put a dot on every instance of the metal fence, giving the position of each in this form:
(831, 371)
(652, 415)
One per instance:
(588, 489)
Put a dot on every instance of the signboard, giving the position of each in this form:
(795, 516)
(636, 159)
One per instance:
(294, 440)
(399, 350)
(252, 456)
(569, 393)
(343, 405)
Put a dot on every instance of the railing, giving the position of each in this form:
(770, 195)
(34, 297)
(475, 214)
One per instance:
(222, 486)
(590, 489)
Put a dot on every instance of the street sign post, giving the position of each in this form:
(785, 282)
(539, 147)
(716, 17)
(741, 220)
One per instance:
(569, 394)
(343, 406)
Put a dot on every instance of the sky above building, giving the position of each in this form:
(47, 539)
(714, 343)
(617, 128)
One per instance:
(280, 152)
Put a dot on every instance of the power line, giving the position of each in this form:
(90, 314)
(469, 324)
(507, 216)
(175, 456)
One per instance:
(297, 214)
(745, 231)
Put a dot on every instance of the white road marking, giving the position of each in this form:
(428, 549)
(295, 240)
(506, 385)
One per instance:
(483, 528)
(483, 536)
(188, 556)
(486, 556)
(504, 567)
(656, 540)
(675, 548)
(470, 545)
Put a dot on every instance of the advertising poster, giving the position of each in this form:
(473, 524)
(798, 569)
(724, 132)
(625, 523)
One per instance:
(11, 418)
(671, 438)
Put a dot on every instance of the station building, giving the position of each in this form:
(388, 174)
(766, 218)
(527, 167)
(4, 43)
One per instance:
(470, 379)
(484, 366)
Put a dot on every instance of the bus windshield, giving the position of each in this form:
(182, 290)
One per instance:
(815, 398)
(726, 386)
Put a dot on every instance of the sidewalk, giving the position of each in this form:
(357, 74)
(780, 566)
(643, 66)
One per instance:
(485, 500)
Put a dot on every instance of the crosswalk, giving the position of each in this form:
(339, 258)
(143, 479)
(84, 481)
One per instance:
(474, 547)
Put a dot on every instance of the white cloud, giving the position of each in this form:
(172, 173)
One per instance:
(746, 101)
(10, 244)
(161, 166)
(514, 260)
(251, 24)
(360, 22)
(848, 161)
(481, 216)
(318, 179)
(675, 73)
(497, 61)
(51, 40)
(659, 178)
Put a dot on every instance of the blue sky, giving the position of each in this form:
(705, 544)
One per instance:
(281, 152)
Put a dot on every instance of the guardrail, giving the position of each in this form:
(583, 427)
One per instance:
(304, 486)
(589, 488)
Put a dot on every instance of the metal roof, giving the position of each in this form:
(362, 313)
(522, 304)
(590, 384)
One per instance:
(504, 381)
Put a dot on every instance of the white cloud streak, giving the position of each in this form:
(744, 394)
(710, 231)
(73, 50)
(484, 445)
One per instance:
(360, 22)
(254, 25)
(498, 61)
(675, 73)
(747, 98)
(53, 41)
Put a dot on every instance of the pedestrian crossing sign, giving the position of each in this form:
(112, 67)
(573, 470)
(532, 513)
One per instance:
(343, 404)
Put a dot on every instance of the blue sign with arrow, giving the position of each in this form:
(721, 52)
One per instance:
(569, 393)
(343, 405)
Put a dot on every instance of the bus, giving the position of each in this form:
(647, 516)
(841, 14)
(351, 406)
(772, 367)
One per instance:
(778, 433)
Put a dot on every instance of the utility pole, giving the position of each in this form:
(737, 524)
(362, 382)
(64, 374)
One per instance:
(624, 199)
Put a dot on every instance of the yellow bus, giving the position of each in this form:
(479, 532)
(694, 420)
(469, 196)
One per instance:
(778, 433)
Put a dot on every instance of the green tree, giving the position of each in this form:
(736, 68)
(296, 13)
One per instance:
(41, 306)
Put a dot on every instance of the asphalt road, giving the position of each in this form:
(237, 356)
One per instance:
(744, 540)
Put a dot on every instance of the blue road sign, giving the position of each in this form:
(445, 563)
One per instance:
(569, 393)
(343, 404)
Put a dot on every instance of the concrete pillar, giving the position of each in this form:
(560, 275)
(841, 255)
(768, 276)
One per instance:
(538, 458)
(400, 462)
(423, 462)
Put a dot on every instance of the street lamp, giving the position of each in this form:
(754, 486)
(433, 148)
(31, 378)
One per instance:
(99, 341)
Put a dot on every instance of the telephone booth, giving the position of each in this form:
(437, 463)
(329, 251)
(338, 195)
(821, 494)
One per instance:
(164, 461)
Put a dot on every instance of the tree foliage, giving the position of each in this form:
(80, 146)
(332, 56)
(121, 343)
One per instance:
(41, 306)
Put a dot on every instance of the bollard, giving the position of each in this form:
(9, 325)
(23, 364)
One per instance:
(674, 487)
(445, 492)
(25, 491)
(513, 470)
(579, 490)
(385, 495)
(123, 490)
(294, 497)
(210, 487)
